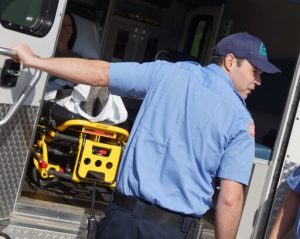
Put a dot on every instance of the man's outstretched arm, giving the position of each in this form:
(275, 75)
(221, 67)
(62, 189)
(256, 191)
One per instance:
(229, 209)
(83, 71)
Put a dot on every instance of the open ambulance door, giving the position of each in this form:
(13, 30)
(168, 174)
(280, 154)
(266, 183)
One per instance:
(285, 158)
(37, 23)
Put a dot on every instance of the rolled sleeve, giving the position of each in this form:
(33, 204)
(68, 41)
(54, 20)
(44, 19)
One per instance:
(130, 79)
(236, 163)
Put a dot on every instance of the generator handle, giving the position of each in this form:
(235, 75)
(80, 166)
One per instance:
(24, 94)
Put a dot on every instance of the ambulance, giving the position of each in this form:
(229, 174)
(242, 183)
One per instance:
(36, 202)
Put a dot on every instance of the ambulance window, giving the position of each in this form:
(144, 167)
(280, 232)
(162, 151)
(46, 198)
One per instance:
(198, 36)
(121, 43)
(32, 17)
(151, 49)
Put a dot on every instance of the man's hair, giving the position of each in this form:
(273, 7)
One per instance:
(219, 60)
(74, 32)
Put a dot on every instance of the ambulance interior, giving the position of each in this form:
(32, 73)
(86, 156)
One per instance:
(145, 30)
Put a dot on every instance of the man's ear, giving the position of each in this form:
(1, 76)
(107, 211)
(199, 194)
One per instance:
(229, 62)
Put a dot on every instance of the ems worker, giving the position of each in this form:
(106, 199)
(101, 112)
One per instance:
(289, 214)
(193, 126)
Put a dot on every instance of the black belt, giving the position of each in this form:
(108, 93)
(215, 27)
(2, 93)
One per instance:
(153, 212)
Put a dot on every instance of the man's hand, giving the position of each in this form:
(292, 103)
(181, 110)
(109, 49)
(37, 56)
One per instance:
(25, 55)
(229, 208)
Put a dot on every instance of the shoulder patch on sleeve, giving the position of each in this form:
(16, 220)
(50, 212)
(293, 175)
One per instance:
(251, 129)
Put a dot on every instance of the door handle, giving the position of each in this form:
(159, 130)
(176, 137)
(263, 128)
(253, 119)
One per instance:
(8, 52)
(24, 94)
(10, 73)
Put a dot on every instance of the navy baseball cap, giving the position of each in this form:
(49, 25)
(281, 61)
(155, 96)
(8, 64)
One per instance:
(245, 46)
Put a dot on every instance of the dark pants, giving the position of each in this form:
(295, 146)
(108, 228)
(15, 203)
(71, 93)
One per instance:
(121, 223)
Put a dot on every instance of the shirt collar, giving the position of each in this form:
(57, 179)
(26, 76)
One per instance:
(219, 71)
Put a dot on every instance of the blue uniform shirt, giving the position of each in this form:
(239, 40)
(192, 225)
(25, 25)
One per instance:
(191, 126)
(294, 183)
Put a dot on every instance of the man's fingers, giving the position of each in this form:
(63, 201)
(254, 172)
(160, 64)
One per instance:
(16, 58)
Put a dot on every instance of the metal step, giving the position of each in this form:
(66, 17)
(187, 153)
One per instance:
(19, 232)
(35, 222)
(49, 216)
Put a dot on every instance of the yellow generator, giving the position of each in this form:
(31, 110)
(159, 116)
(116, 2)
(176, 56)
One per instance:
(77, 150)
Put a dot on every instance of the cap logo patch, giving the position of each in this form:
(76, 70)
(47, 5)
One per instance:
(251, 129)
(262, 50)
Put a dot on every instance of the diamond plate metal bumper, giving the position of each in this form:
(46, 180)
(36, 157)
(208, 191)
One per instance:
(15, 138)
(17, 232)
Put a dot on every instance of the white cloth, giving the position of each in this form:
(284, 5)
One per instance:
(114, 110)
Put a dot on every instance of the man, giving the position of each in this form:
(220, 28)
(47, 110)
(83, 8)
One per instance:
(193, 126)
(289, 214)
